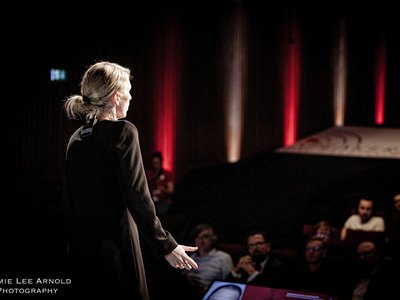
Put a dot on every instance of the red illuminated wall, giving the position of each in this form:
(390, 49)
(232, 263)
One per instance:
(166, 93)
(380, 83)
(291, 82)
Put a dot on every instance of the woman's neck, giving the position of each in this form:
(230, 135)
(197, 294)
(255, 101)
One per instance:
(107, 114)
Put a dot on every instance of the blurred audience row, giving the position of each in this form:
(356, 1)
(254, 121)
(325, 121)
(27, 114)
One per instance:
(360, 260)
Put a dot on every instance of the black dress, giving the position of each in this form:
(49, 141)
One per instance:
(110, 204)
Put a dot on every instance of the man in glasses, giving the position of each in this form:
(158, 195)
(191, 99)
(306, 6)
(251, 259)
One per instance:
(315, 272)
(376, 275)
(259, 266)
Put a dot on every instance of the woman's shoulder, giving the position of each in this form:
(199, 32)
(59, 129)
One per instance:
(120, 132)
(127, 124)
(127, 127)
(121, 126)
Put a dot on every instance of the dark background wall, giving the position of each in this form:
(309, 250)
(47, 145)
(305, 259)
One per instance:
(66, 37)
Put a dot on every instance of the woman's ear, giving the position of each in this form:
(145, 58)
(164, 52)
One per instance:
(115, 98)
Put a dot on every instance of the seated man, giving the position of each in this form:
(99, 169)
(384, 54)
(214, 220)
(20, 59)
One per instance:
(314, 271)
(364, 220)
(259, 267)
(376, 276)
(214, 264)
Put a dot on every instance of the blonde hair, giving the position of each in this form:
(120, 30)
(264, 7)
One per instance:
(100, 81)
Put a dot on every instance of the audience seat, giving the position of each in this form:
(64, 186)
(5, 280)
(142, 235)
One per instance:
(236, 250)
(354, 237)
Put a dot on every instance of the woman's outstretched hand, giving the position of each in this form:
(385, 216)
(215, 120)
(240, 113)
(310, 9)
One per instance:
(179, 259)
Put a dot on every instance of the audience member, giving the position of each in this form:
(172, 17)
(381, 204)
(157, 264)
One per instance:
(324, 230)
(328, 233)
(396, 199)
(314, 272)
(394, 229)
(376, 276)
(161, 183)
(364, 220)
(259, 267)
(213, 264)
